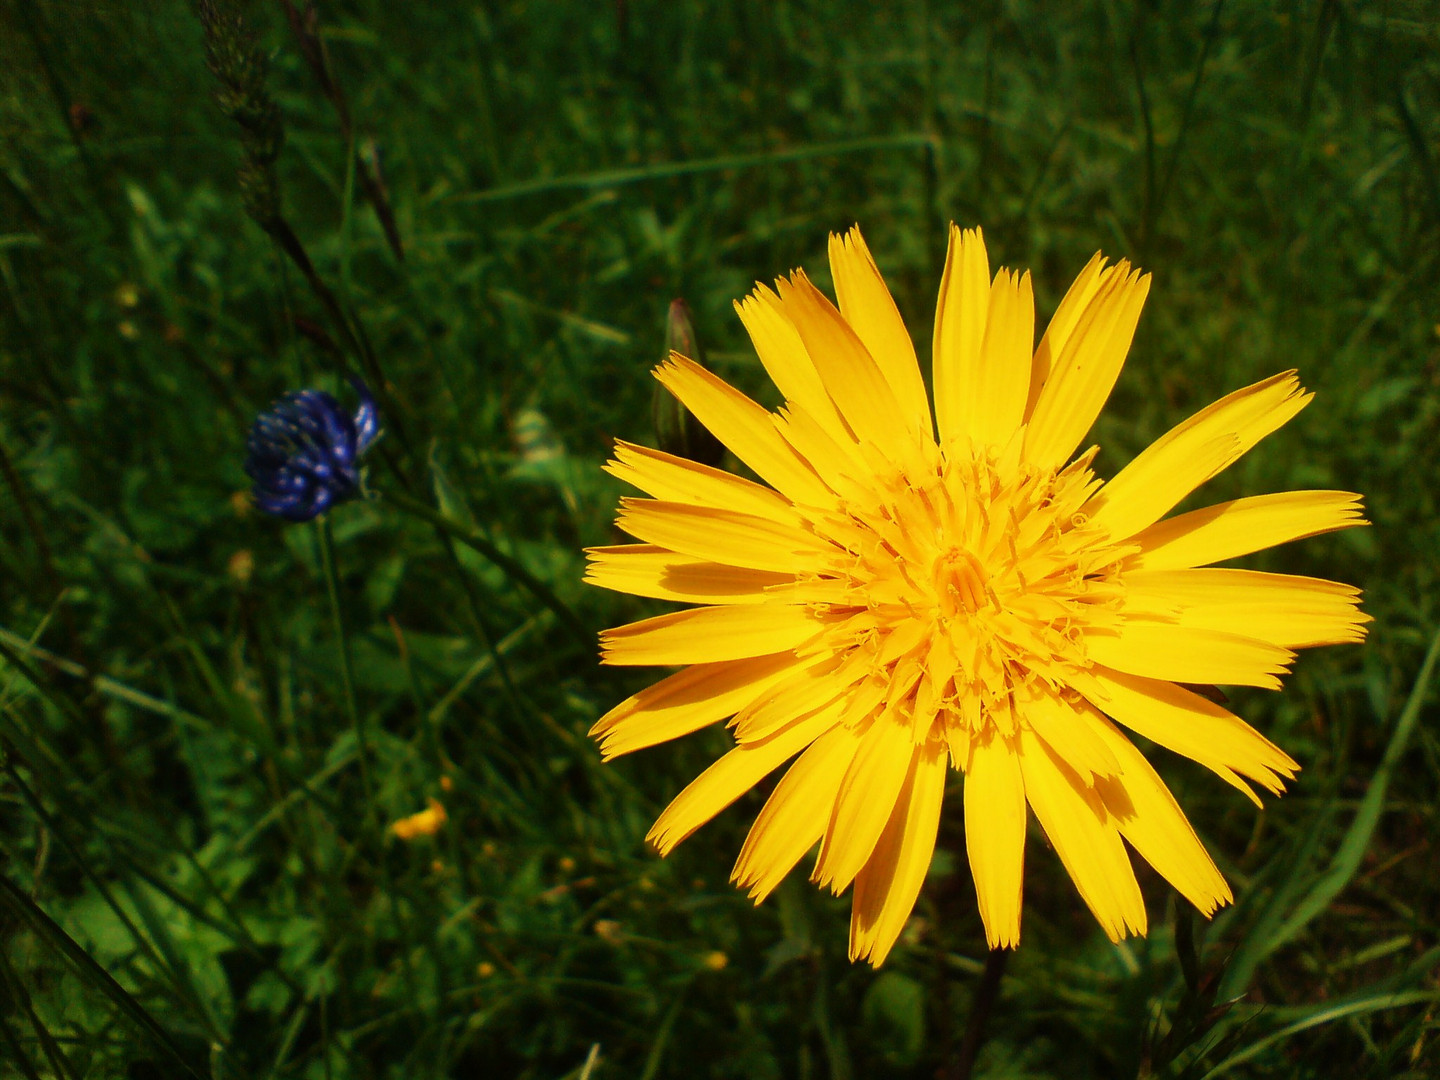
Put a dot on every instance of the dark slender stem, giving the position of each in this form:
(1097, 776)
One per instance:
(1211, 34)
(985, 996)
(312, 46)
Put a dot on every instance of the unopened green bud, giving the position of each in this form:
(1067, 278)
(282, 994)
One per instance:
(680, 332)
(676, 429)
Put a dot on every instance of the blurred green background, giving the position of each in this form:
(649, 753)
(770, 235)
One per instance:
(199, 872)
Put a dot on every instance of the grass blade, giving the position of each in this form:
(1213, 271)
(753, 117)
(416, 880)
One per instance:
(1352, 849)
(14, 900)
(1325, 1014)
(910, 140)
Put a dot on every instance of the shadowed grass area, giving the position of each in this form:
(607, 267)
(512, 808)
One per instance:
(209, 720)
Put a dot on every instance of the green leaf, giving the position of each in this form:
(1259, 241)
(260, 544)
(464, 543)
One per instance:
(893, 1017)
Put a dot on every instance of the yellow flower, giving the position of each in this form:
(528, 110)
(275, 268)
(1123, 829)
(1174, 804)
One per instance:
(425, 823)
(893, 602)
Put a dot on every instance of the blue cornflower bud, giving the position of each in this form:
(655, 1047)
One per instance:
(304, 452)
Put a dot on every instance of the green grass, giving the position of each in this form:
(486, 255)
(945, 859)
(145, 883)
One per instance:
(209, 719)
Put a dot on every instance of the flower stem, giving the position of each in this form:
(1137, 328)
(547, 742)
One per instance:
(362, 743)
(985, 996)
(473, 539)
(342, 640)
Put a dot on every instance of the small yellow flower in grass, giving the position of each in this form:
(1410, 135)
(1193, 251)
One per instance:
(715, 961)
(910, 594)
(426, 823)
(241, 566)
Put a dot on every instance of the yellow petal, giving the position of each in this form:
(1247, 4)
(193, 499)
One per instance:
(960, 316)
(743, 426)
(838, 464)
(676, 479)
(1190, 725)
(995, 836)
(1052, 346)
(1064, 730)
(1085, 373)
(687, 701)
(794, 817)
(1151, 820)
(1085, 837)
(1283, 609)
(806, 689)
(1161, 650)
(1238, 527)
(786, 360)
(647, 570)
(850, 374)
(957, 739)
(724, 536)
(1184, 458)
(709, 634)
(1003, 379)
(888, 886)
(730, 777)
(863, 805)
(870, 310)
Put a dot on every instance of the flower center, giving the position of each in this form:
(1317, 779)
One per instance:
(960, 582)
(964, 593)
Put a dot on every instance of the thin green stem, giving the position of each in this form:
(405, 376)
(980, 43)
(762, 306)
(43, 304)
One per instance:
(665, 170)
(473, 539)
(362, 742)
(342, 639)
(482, 626)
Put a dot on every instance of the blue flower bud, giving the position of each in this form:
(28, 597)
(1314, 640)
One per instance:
(304, 452)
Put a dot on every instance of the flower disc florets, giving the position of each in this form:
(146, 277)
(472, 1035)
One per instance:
(962, 593)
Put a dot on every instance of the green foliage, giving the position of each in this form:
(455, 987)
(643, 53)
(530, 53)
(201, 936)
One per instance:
(209, 721)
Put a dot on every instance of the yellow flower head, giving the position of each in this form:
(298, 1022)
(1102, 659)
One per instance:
(893, 601)
(426, 822)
